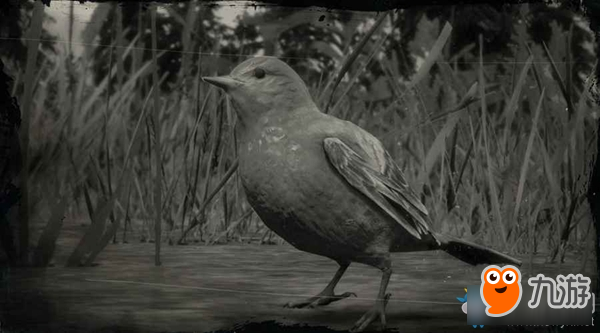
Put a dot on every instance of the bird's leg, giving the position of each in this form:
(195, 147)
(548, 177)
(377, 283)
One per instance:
(327, 295)
(378, 309)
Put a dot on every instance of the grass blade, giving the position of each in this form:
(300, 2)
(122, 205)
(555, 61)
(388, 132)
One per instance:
(431, 59)
(216, 190)
(33, 42)
(232, 226)
(559, 79)
(157, 144)
(437, 149)
(434, 54)
(491, 182)
(528, 152)
(104, 239)
(509, 110)
(351, 58)
(363, 67)
(47, 243)
(95, 231)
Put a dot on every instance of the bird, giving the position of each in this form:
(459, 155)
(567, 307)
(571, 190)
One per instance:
(327, 186)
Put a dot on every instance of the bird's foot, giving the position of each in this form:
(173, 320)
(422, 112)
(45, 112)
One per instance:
(324, 298)
(377, 311)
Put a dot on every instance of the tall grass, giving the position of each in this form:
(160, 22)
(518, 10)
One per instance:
(157, 128)
(35, 31)
(495, 161)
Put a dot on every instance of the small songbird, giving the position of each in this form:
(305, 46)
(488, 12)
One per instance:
(325, 185)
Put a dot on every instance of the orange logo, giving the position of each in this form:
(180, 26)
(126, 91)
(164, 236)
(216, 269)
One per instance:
(500, 289)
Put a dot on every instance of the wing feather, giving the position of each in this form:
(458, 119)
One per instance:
(393, 172)
(387, 189)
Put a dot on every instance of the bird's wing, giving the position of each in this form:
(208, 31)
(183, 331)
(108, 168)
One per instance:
(382, 182)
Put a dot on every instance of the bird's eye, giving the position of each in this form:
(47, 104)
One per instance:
(493, 277)
(508, 277)
(259, 73)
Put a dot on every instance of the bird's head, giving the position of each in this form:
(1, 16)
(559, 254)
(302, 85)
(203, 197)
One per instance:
(263, 84)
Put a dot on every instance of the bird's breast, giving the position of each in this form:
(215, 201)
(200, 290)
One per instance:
(272, 148)
(280, 170)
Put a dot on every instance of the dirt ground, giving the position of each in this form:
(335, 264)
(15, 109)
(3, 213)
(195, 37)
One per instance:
(211, 288)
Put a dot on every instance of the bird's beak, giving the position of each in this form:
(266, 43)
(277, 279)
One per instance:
(224, 82)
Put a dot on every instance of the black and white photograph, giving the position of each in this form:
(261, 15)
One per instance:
(289, 166)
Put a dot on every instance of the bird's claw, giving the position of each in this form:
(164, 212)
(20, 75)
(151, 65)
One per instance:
(325, 300)
(377, 311)
(319, 300)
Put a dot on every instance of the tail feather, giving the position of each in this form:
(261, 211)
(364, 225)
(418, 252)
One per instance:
(472, 253)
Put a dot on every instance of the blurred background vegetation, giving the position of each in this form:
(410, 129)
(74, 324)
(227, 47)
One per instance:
(486, 108)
